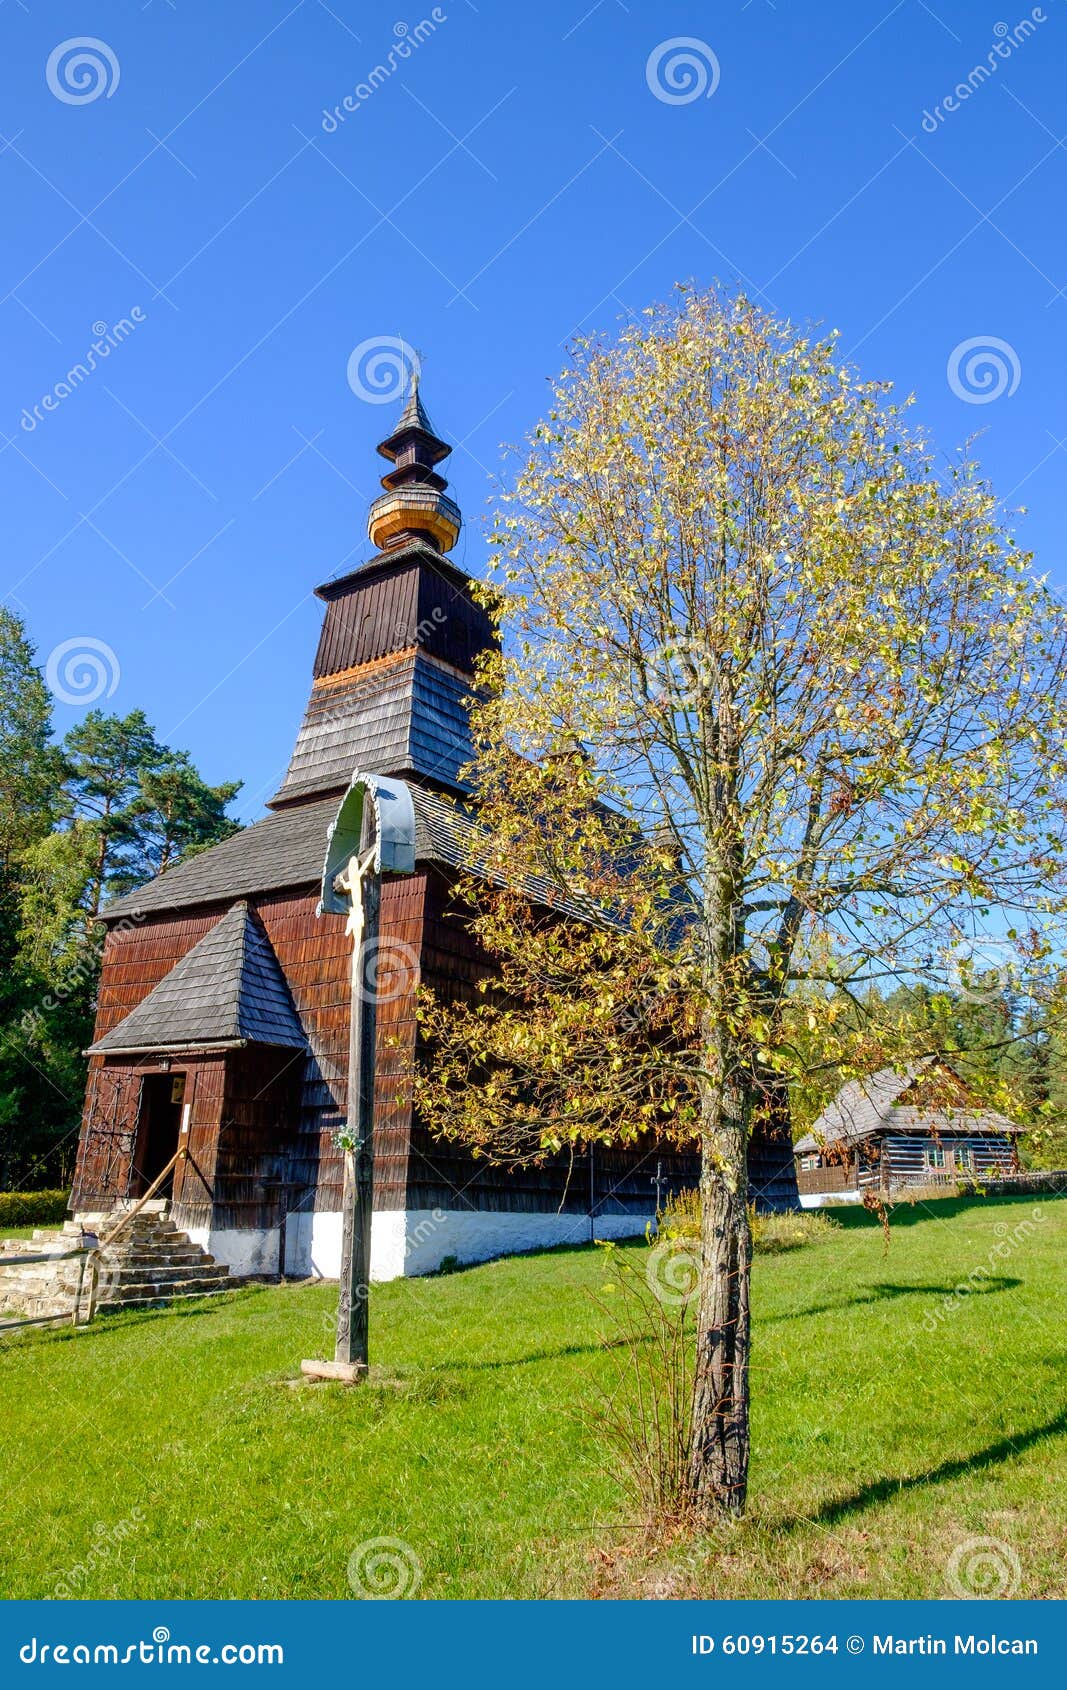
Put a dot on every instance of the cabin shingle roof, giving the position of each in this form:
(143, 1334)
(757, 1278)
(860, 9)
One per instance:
(229, 987)
(865, 1107)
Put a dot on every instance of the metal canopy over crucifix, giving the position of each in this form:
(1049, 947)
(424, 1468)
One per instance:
(365, 839)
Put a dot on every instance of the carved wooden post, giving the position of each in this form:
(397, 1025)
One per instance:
(357, 1202)
(362, 887)
(356, 854)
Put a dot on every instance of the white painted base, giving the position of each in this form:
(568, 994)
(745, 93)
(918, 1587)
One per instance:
(406, 1242)
(243, 1251)
(827, 1199)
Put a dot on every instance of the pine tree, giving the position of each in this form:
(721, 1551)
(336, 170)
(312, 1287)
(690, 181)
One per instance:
(29, 764)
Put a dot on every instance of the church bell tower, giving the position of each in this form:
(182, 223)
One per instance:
(400, 638)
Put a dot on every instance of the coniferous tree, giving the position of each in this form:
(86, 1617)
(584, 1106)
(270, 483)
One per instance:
(79, 823)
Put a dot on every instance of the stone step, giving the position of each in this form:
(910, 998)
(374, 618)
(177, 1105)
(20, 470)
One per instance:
(154, 1206)
(163, 1293)
(148, 1297)
(151, 1263)
(184, 1273)
(145, 1258)
(145, 1234)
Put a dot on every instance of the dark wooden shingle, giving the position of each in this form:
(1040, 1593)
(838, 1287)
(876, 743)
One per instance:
(228, 988)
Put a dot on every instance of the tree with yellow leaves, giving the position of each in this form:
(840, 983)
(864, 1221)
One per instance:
(778, 716)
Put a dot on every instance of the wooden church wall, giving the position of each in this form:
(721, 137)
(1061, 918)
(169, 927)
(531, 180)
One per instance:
(444, 1175)
(259, 1116)
(138, 955)
(268, 1120)
(315, 954)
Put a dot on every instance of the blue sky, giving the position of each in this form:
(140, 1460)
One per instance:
(517, 177)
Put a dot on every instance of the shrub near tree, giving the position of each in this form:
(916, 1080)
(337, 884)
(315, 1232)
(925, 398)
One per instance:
(780, 713)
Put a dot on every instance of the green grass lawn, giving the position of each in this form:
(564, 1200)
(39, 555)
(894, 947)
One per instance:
(176, 1453)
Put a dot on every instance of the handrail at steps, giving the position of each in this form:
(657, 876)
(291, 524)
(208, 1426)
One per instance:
(179, 1156)
(94, 1255)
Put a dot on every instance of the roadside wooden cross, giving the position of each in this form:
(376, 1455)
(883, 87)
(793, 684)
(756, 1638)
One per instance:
(360, 845)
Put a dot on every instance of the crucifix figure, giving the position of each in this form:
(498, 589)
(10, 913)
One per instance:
(350, 881)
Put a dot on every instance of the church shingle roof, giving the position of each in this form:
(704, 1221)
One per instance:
(228, 988)
(409, 718)
(288, 849)
(285, 849)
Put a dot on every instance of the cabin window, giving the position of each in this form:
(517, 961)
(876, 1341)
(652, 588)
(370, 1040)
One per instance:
(964, 1156)
(807, 1163)
(935, 1156)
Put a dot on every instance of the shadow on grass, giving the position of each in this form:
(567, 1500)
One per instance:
(110, 1322)
(880, 1293)
(563, 1353)
(852, 1216)
(883, 1490)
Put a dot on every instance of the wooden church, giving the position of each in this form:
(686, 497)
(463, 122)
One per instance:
(223, 1015)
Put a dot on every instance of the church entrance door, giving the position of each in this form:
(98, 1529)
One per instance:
(162, 1096)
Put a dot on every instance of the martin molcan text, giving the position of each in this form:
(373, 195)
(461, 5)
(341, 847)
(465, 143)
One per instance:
(957, 1645)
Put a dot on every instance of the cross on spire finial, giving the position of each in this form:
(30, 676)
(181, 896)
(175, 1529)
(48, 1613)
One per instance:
(414, 413)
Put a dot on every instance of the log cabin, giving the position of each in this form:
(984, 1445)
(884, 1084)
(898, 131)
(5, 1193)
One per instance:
(223, 1012)
(900, 1128)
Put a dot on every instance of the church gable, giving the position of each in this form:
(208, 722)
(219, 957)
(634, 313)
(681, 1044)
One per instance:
(228, 990)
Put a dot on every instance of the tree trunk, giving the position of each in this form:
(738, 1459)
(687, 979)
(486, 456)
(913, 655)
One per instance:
(96, 896)
(718, 1474)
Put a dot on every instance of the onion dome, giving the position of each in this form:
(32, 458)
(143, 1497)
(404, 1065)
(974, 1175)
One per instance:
(414, 505)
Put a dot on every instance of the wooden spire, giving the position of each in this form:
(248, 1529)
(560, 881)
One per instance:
(414, 505)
